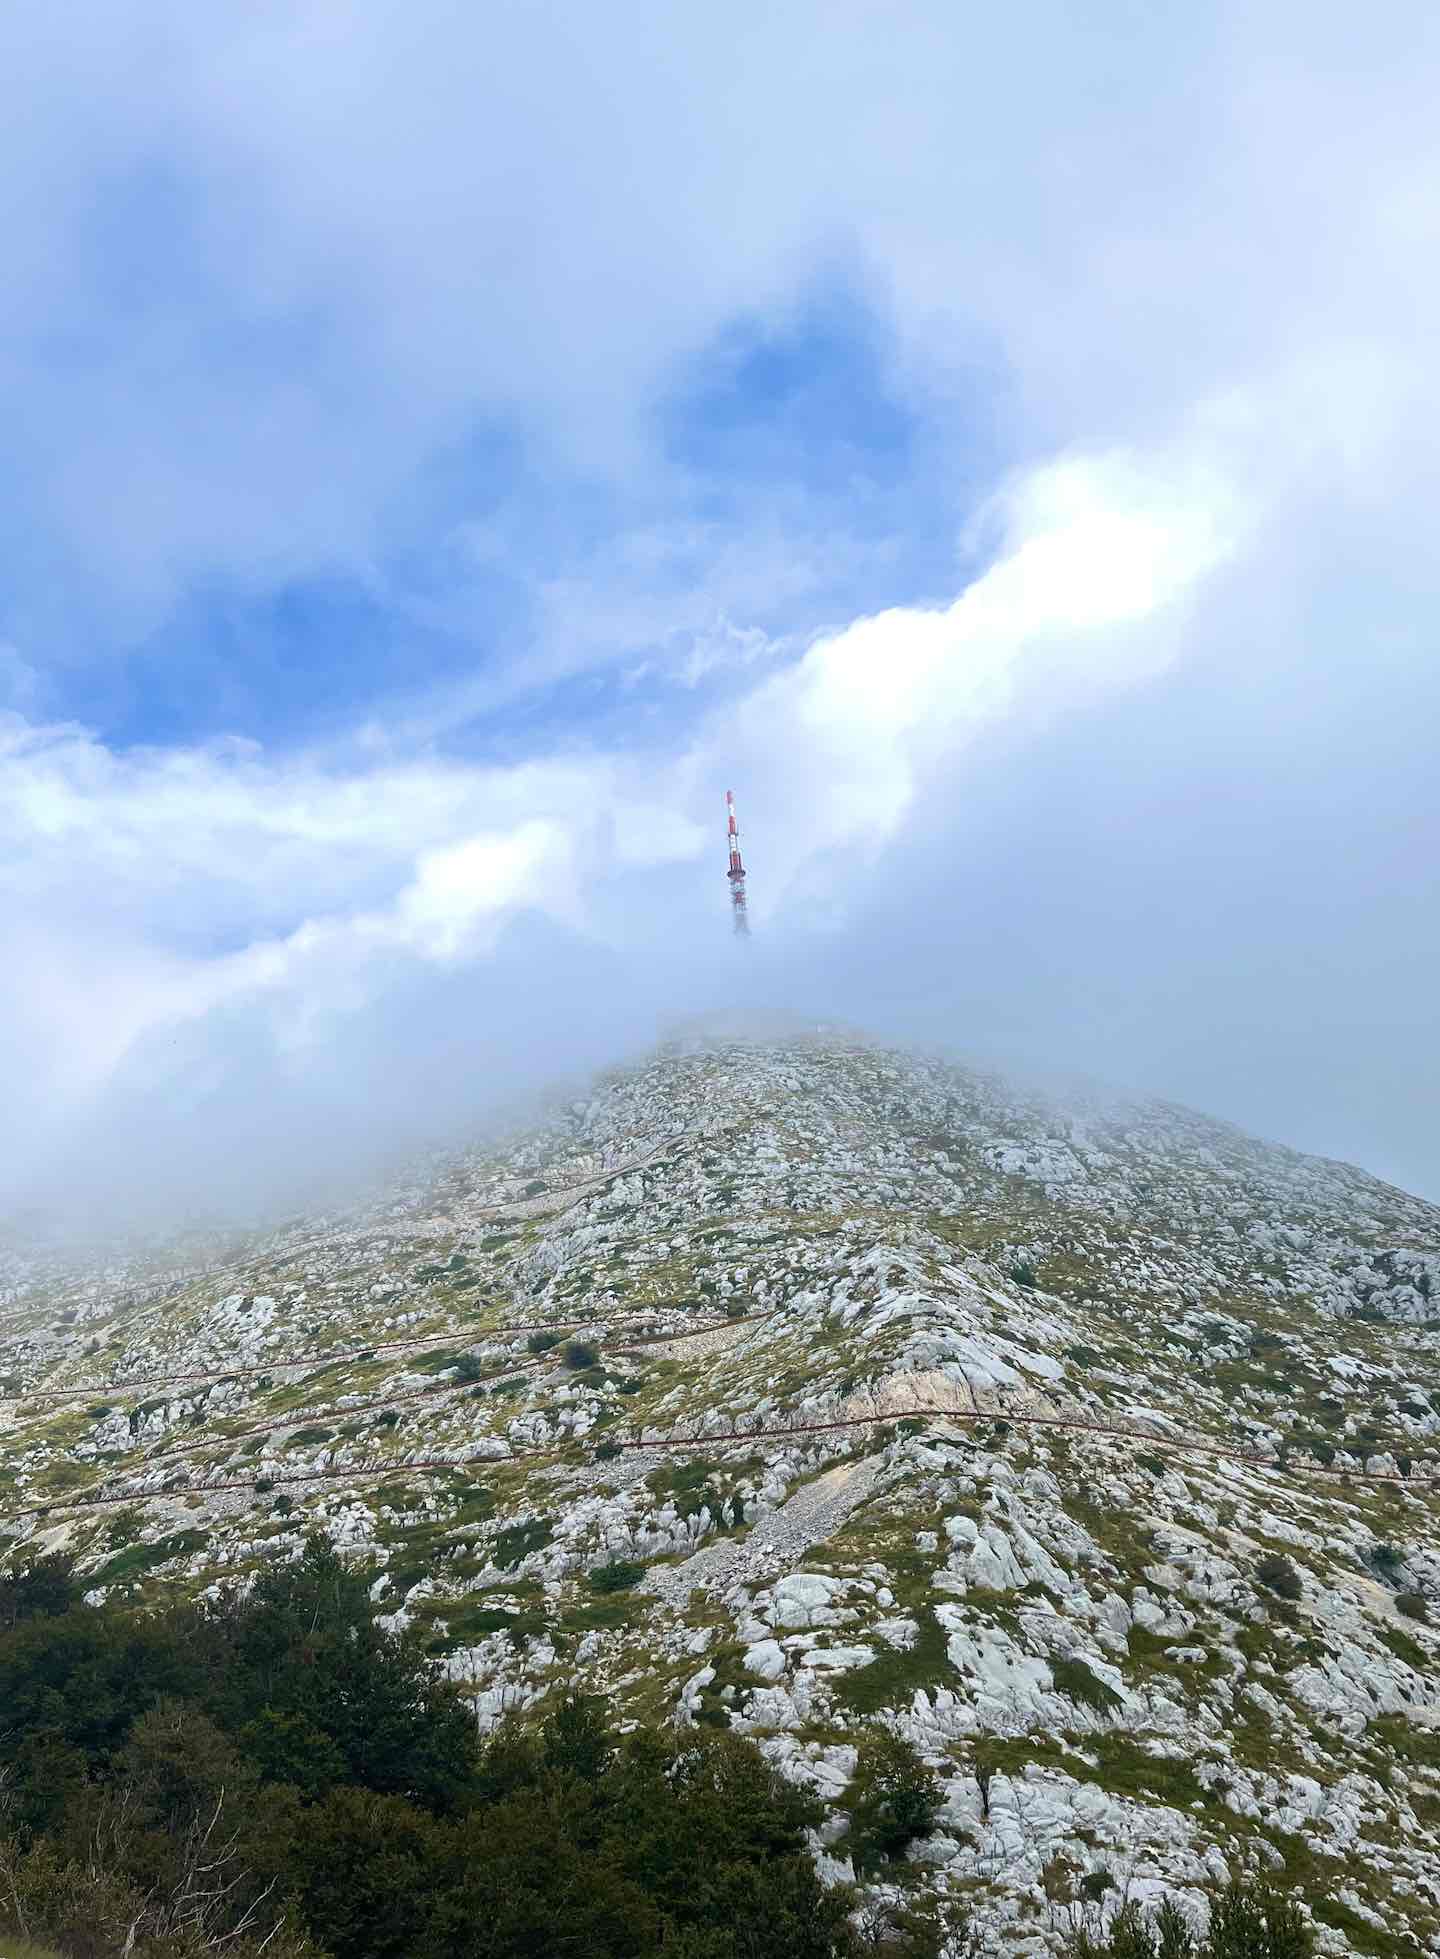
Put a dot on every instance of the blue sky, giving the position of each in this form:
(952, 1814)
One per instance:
(799, 416)
(443, 453)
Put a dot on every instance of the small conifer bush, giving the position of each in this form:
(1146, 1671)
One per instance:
(1278, 1575)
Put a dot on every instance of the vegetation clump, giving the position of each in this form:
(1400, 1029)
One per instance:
(1247, 1921)
(897, 1800)
(278, 1773)
(689, 1486)
(519, 1541)
(1278, 1575)
(620, 1575)
(891, 1678)
(1081, 1684)
(1084, 1356)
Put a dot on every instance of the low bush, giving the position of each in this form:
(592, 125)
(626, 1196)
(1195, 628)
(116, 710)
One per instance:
(309, 1438)
(620, 1575)
(1413, 1605)
(1405, 1648)
(519, 1541)
(1075, 1679)
(897, 1800)
(1249, 1920)
(1278, 1575)
(541, 1343)
(580, 1354)
(1084, 1356)
(37, 1587)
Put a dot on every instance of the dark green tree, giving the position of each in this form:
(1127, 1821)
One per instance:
(302, 1657)
(898, 1799)
(1254, 1921)
(364, 1872)
(36, 1586)
(575, 1738)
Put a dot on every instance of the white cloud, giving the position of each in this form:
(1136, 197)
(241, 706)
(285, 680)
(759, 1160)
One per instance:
(223, 876)
(333, 239)
(263, 267)
(1101, 554)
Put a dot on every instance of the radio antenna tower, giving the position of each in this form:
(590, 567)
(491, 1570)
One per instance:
(736, 873)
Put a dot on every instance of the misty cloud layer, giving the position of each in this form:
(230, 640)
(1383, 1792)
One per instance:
(1133, 777)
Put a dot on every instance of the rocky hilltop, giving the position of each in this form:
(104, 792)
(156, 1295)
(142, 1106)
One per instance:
(800, 1386)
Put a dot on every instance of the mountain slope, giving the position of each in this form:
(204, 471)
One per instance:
(802, 1385)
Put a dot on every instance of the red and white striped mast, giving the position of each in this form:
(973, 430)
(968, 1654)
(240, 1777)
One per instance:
(736, 873)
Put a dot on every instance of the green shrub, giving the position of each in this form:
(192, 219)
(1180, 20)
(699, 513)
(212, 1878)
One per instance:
(1252, 1921)
(1249, 1920)
(35, 1586)
(1405, 1648)
(620, 1575)
(1074, 1678)
(891, 1678)
(359, 1813)
(1413, 1605)
(541, 1343)
(520, 1541)
(689, 1488)
(579, 1354)
(897, 1799)
(137, 1559)
(1278, 1575)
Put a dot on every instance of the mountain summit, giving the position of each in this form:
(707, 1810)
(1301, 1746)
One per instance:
(808, 1388)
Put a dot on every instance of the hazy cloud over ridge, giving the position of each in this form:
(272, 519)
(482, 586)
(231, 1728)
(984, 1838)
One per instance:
(316, 290)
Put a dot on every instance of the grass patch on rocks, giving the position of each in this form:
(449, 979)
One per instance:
(520, 1541)
(892, 1677)
(136, 1559)
(1079, 1683)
